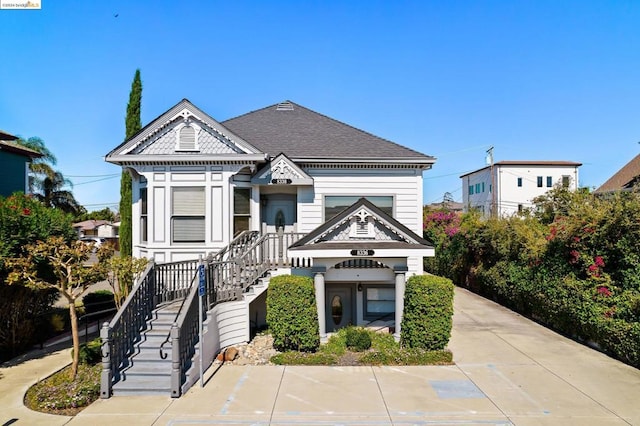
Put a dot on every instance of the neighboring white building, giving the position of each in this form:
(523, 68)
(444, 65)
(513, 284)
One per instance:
(516, 184)
(198, 183)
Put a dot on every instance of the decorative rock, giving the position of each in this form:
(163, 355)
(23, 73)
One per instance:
(230, 354)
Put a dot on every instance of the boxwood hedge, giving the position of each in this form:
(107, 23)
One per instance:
(292, 315)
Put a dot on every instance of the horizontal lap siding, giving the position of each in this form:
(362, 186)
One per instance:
(404, 185)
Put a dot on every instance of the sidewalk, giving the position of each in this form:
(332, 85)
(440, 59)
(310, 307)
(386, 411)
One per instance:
(508, 370)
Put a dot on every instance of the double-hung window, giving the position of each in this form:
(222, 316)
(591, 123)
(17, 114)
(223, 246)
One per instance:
(549, 181)
(539, 182)
(379, 302)
(519, 182)
(188, 215)
(241, 210)
(143, 215)
(334, 204)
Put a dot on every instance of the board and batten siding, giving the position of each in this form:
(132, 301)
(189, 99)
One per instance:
(405, 185)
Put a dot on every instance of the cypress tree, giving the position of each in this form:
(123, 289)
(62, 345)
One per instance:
(133, 125)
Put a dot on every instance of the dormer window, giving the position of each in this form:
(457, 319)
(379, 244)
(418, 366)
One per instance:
(187, 138)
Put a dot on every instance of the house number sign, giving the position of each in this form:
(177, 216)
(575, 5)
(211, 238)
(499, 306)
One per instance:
(362, 252)
(281, 181)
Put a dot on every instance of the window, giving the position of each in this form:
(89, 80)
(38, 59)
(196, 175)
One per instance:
(143, 214)
(187, 215)
(187, 139)
(482, 186)
(519, 182)
(520, 208)
(549, 181)
(334, 204)
(539, 181)
(565, 181)
(477, 188)
(470, 189)
(241, 210)
(379, 301)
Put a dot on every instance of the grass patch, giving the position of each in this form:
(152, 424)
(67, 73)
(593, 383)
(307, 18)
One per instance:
(58, 394)
(384, 350)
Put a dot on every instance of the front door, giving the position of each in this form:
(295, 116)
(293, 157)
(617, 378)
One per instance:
(339, 307)
(280, 213)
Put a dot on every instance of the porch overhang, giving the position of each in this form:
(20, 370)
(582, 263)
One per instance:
(362, 250)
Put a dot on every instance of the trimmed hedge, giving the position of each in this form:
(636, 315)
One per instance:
(428, 312)
(292, 314)
(97, 301)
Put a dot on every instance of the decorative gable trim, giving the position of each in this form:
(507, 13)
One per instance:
(182, 114)
(282, 171)
(380, 228)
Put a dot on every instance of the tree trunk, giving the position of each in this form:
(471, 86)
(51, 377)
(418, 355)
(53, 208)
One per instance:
(76, 339)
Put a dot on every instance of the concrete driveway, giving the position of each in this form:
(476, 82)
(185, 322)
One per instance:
(508, 370)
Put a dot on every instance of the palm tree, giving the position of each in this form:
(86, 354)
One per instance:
(53, 194)
(40, 168)
(46, 183)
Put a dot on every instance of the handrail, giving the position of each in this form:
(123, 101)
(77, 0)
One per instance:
(176, 319)
(228, 274)
(119, 335)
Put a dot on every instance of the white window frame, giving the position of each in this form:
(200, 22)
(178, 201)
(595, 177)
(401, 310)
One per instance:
(355, 198)
(185, 212)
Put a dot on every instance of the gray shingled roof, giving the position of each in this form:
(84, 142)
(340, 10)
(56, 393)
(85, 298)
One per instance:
(301, 133)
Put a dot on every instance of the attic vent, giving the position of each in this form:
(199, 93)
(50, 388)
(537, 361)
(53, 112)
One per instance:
(285, 106)
(187, 138)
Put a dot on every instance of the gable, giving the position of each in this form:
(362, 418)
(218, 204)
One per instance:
(184, 131)
(362, 223)
(624, 178)
(282, 171)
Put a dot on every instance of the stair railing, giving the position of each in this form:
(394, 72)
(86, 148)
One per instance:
(119, 336)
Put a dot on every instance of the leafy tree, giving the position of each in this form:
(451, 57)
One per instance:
(133, 125)
(122, 271)
(104, 214)
(24, 220)
(60, 265)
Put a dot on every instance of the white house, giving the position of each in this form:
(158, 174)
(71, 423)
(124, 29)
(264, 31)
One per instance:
(508, 187)
(282, 189)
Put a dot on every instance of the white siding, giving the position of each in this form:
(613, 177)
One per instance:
(404, 185)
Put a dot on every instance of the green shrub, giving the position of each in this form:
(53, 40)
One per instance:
(304, 358)
(24, 318)
(292, 314)
(428, 312)
(90, 353)
(357, 339)
(100, 300)
(414, 356)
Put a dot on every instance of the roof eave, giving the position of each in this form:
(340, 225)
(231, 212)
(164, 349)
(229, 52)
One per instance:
(200, 158)
(427, 161)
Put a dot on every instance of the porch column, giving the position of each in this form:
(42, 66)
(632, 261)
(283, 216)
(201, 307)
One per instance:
(318, 281)
(400, 272)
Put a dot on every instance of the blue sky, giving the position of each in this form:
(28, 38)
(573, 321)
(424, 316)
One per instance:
(538, 80)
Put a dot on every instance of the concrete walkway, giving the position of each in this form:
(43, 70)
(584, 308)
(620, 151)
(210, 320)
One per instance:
(508, 370)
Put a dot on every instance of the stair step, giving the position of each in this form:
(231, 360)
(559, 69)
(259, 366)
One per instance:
(148, 369)
(142, 385)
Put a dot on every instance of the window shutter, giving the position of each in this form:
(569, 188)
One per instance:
(188, 201)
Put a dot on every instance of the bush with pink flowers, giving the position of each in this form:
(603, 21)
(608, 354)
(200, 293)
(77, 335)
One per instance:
(574, 265)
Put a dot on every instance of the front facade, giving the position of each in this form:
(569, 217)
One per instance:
(198, 183)
(14, 165)
(509, 187)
